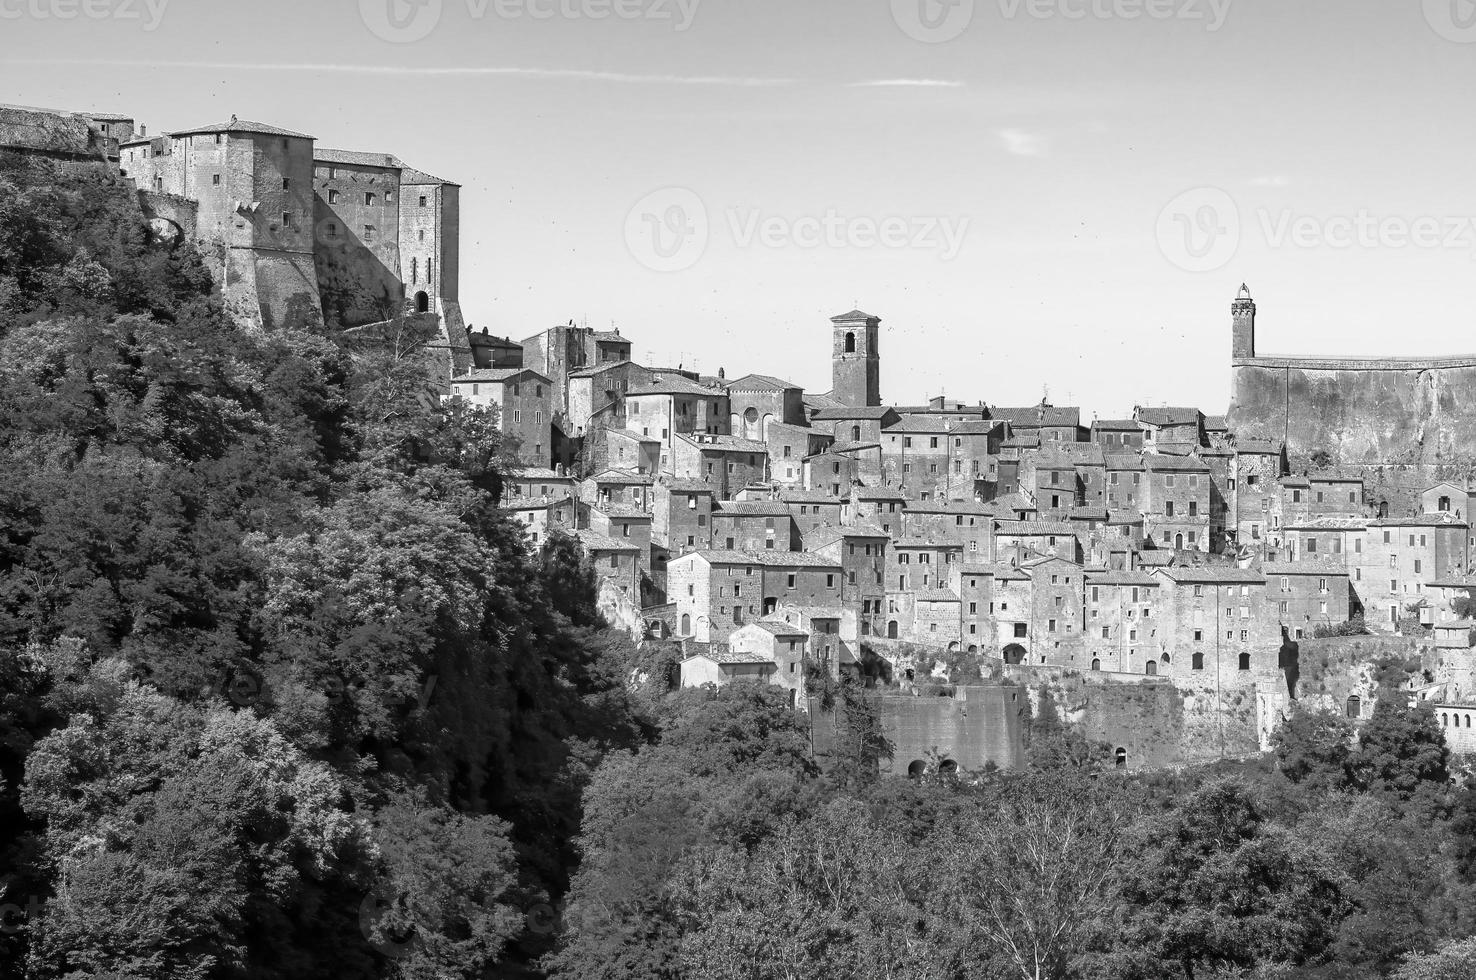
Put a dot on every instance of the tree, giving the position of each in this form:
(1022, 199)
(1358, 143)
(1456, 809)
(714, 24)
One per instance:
(1401, 751)
(1314, 748)
(1454, 961)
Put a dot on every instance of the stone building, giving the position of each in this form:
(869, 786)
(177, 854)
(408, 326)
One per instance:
(523, 398)
(716, 592)
(1124, 611)
(1308, 594)
(856, 359)
(758, 400)
(754, 525)
(1175, 502)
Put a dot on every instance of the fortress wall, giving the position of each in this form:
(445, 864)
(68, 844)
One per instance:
(979, 726)
(1369, 412)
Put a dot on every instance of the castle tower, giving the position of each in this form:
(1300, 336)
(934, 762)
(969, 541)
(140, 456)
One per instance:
(1243, 310)
(855, 360)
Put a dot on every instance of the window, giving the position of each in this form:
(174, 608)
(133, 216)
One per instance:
(368, 233)
(215, 179)
(1197, 661)
(422, 204)
(286, 184)
(286, 218)
(369, 198)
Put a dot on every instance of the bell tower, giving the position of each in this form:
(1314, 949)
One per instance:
(1243, 332)
(855, 360)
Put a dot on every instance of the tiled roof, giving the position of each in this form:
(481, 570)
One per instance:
(1088, 514)
(1036, 416)
(356, 158)
(726, 444)
(935, 595)
(1115, 425)
(879, 493)
(1169, 416)
(241, 126)
(729, 657)
(410, 175)
(1216, 423)
(494, 374)
(1212, 575)
(1328, 524)
(842, 448)
(536, 473)
(761, 382)
(809, 497)
(671, 385)
(1155, 559)
(1191, 464)
(750, 508)
(1423, 520)
(1120, 577)
(779, 627)
(595, 541)
(1321, 567)
(919, 423)
(995, 569)
(1257, 447)
(975, 427)
(610, 337)
(623, 511)
(811, 612)
(622, 476)
(1035, 528)
(1124, 461)
(852, 316)
(776, 559)
(847, 412)
(686, 486)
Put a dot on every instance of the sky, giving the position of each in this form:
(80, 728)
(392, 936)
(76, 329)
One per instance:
(1038, 197)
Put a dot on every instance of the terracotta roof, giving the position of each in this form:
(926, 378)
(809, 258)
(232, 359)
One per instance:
(1116, 425)
(1321, 567)
(1257, 447)
(1036, 416)
(1120, 577)
(1177, 463)
(1423, 520)
(809, 497)
(623, 511)
(729, 657)
(930, 424)
(976, 427)
(595, 541)
(686, 486)
(495, 374)
(1035, 528)
(995, 569)
(750, 508)
(671, 385)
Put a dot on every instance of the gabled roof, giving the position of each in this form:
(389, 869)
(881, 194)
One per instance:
(1191, 464)
(1119, 577)
(848, 412)
(595, 541)
(1035, 529)
(1115, 425)
(1036, 416)
(996, 570)
(750, 508)
(725, 444)
(495, 374)
(809, 497)
(976, 427)
(1257, 447)
(762, 382)
(1170, 416)
(1211, 575)
(686, 485)
(919, 423)
(935, 595)
(729, 657)
(853, 316)
(779, 627)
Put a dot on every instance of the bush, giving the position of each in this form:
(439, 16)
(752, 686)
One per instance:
(1353, 627)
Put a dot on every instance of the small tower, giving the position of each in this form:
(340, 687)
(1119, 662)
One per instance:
(1243, 311)
(855, 360)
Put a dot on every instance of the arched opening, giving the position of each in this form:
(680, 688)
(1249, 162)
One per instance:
(855, 433)
(850, 343)
(948, 767)
(1444, 720)
(422, 302)
(953, 647)
(686, 624)
(973, 648)
(1245, 661)
(1383, 508)
(770, 604)
(1354, 707)
(1120, 757)
(750, 416)
(1166, 660)
(1096, 664)
(1197, 661)
(1151, 668)
(916, 769)
(1179, 542)
(1014, 654)
(892, 630)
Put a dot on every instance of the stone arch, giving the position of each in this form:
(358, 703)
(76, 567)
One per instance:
(1151, 668)
(916, 769)
(422, 302)
(1015, 654)
(851, 343)
(892, 630)
(1354, 707)
(1383, 509)
(1120, 757)
(953, 647)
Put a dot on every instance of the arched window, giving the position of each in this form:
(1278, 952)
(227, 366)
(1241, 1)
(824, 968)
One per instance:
(686, 624)
(1096, 664)
(1151, 668)
(850, 343)
(1197, 661)
(892, 630)
(855, 433)
(1245, 661)
(1121, 756)
(1444, 720)
(1383, 508)
(1355, 707)
(916, 769)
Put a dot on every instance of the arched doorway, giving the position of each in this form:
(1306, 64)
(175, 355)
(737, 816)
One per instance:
(892, 630)
(948, 767)
(1120, 757)
(1178, 542)
(686, 624)
(916, 769)
(1096, 664)
(1151, 668)
(1014, 654)
(422, 302)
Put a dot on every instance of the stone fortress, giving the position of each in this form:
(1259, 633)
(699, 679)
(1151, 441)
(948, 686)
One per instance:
(287, 228)
(1168, 576)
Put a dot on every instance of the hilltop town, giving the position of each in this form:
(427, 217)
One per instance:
(1160, 569)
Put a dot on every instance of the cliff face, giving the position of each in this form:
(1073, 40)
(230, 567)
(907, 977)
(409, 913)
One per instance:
(1360, 412)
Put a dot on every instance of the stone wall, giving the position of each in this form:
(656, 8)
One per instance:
(1367, 412)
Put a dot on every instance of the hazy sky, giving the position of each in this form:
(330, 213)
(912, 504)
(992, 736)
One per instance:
(1030, 193)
